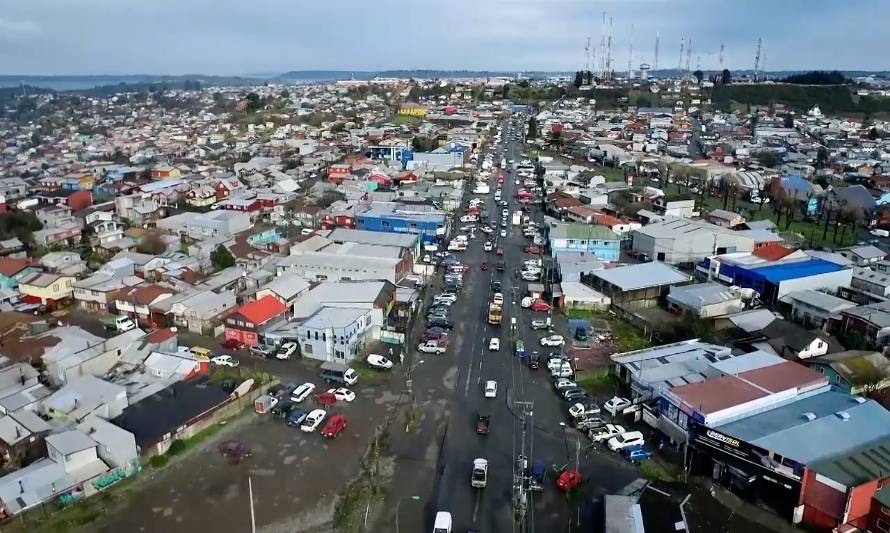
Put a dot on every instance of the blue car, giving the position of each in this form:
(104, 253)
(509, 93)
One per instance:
(636, 454)
(296, 417)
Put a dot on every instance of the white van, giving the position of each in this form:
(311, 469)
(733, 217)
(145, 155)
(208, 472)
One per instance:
(442, 523)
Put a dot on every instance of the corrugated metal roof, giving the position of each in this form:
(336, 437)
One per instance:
(641, 276)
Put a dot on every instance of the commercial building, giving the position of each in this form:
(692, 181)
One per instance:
(643, 284)
(679, 240)
(223, 224)
(704, 300)
(334, 333)
(422, 220)
(245, 324)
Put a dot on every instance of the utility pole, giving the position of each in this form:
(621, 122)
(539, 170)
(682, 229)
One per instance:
(521, 466)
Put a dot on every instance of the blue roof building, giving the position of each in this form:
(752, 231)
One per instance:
(422, 220)
(775, 280)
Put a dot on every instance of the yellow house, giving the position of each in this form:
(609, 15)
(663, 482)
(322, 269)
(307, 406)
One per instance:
(47, 289)
(412, 110)
(87, 182)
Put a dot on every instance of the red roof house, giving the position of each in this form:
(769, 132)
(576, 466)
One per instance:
(244, 324)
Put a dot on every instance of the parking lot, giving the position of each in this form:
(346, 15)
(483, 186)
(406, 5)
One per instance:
(296, 476)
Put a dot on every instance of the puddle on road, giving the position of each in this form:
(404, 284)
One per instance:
(449, 380)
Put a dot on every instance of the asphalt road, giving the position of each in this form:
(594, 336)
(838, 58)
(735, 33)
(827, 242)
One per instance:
(434, 459)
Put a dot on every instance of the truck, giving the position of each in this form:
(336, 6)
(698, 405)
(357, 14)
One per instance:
(517, 218)
(495, 314)
(331, 371)
(119, 324)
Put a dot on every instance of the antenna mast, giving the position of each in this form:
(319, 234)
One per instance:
(609, 51)
(682, 48)
(688, 54)
(630, 54)
(757, 59)
(603, 47)
(720, 59)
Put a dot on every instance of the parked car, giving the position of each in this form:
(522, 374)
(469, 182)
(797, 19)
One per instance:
(287, 350)
(261, 351)
(626, 440)
(342, 394)
(531, 249)
(553, 340)
(539, 324)
(300, 393)
(606, 432)
(225, 360)
(583, 408)
(295, 417)
(334, 426)
(540, 305)
(491, 388)
(447, 324)
(573, 394)
(555, 360)
(313, 420)
(235, 451)
(446, 296)
(564, 371)
(563, 384)
(283, 408)
(378, 361)
(231, 344)
(616, 405)
(636, 454)
(432, 347)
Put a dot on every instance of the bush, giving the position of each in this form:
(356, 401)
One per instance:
(176, 448)
(159, 461)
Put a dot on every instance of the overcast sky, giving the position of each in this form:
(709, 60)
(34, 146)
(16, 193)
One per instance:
(243, 37)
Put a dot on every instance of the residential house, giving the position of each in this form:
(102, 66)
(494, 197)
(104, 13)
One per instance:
(46, 289)
(704, 300)
(14, 270)
(221, 224)
(287, 288)
(854, 371)
(725, 219)
(22, 437)
(245, 324)
(137, 302)
(84, 396)
(863, 256)
(68, 263)
(597, 240)
(814, 308)
(334, 333)
(200, 311)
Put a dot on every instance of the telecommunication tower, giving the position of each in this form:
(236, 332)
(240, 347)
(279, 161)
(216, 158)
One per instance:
(657, 38)
(757, 59)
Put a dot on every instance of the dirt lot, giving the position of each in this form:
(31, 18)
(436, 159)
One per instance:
(296, 476)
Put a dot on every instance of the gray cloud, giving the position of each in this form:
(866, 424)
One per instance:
(236, 37)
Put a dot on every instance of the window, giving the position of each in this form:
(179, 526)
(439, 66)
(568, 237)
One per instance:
(307, 348)
(316, 335)
(882, 524)
(55, 287)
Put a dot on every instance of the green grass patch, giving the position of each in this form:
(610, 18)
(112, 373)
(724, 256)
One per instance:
(371, 374)
(656, 469)
(406, 120)
(218, 374)
(625, 336)
(599, 384)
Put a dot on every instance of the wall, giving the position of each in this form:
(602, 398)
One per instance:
(829, 280)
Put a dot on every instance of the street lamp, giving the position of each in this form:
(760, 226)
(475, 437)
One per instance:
(415, 498)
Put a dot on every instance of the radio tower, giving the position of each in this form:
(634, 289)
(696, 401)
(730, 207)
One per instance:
(657, 38)
(688, 54)
(630, 54)
(609, 51)
(720, 57)
(682, 48)
(757, 59)
(603, 47)
(586, 65)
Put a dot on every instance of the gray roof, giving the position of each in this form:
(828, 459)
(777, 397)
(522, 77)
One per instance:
(753, 320)
(818, 299)
(867, 252)
(641, 276)
(701, 294)
(402, 240)
(787, 431)
(765, 224)
(334, 317)
(70, 441)
(866, 463)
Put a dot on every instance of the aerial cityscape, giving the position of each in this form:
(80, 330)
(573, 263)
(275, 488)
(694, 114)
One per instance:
(511, 266)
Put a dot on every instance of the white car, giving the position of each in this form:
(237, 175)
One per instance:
(616, 405)
(491, 389)
(378, 361)
(526, 276)
(626, 440)
(488, 246)
(431, 347)
(342, 394)
(486, 229)
(313, 420)
(538, 324)
(498, 298)
(562, 384)
(606, 432)
(553, 340)
(300, 393)
(579, 409)
(287, 349)
(503, 233)
(446, 296)
(224, 360)
(494, 344)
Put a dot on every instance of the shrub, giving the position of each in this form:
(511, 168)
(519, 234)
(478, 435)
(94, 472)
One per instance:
(159, 461)
(176, 448)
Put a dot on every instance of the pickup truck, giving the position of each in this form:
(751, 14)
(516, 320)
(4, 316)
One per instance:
(119, 324)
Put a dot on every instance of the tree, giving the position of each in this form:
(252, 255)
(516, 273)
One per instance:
(699, 75)
(152, 244)
(822, 157)
(221, 258)
(579, 79)
(788, 120)
(532, 128)
(19, 224)
(254, 102)
(36, 139)
(726, 76)
(767, 159)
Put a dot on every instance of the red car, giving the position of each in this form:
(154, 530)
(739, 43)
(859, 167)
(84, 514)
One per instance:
(532, 249)
(231, 344)
(325, 399)
(539, 305)
(568, 480)
(334, 426)
(484, 266)
(234, 450)
(500, 251)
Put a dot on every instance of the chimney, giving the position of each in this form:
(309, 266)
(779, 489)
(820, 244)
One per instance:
(843, 415)
(809, 416)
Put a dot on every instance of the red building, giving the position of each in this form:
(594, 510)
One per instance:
(226, 186)
(338, 173)
(842, 491)
(244, 324)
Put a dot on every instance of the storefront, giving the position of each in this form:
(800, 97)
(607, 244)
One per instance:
(749, 471)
